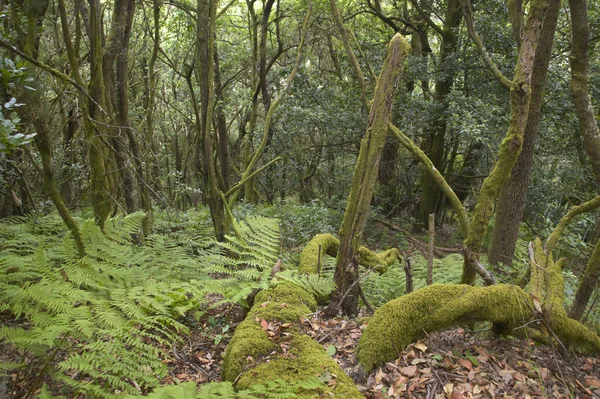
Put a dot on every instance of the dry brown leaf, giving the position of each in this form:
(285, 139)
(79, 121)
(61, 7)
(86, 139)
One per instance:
(466, 363)
(264, 324)
(379, 376)
(421, 347)
(448, 389)
(408, 371)
(592, 382)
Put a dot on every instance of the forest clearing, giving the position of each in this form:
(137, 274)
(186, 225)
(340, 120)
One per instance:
(299, 199)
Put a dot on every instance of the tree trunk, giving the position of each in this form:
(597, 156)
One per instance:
(589, 132)
(365, 176)
(520, 96)
(436, 144)
(221, 127)
(579, 84)
(587, 284)
(206, 26)
(35, 113)
(511, 204)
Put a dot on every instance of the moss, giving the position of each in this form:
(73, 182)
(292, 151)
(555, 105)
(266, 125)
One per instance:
(408, 318)
(269, 304)
(379, 262)
(309, 258)
(328, 244)
(249, 342)
(304, 360)
(285, 302)
(587, 283)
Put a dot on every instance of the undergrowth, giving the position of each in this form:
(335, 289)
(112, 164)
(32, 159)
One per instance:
(380, 289)
(103, 324)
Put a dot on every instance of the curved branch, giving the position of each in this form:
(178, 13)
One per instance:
(564, 222)
(427, 18)
(435, 174)
(56, 73)
(468, 13)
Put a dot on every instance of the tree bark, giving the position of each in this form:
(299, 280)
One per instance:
(511, 204)
(579, 84)
(587, 284)
(520, 97)
(365, 176)
(35, 113)
(205, 65)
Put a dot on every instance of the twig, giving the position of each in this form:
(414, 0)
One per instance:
(352, 286)
(364, 299)
(408, 273)
(431, 249)
(438, 251)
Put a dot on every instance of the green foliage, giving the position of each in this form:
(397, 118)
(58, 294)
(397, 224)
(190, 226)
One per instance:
(379, 289)
(120, 301)
(117, 302)
(299, 223)
(10, 138)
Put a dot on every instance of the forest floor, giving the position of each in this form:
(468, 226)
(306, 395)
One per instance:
(454, 364)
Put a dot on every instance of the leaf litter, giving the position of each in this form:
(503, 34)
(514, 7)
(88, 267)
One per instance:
(454, 364)
(457, 364)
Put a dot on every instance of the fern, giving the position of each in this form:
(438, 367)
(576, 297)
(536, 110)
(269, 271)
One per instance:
(255, 246)
(111, 309)
(319, 287)
(380, 289)
(105, 309)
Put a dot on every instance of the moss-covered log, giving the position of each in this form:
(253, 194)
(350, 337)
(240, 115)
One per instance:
(410, 317)
(512, 310)
(253, 356)
(311, 260)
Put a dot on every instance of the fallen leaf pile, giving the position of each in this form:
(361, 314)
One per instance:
(456, 365)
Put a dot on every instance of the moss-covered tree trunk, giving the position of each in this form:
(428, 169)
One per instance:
(511, 204)
(100, 186)
(587, 284)
(520, 97)
(35, 112)
(365, 176)
(205, 28)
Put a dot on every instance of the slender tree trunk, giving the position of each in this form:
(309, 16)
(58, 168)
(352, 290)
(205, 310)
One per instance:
(35, 113)
(365, 177)
(587, 283)
(221, 127)
(511, 204)
(436, 144)
(206, 26)
(579, 84)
